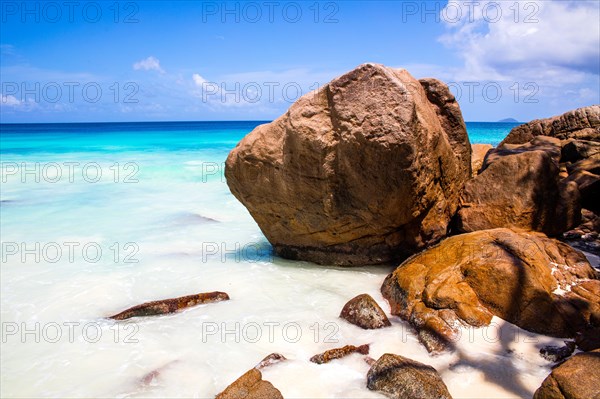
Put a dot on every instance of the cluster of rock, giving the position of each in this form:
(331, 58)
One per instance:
(393, 375)
(539, 178)
(376, 167)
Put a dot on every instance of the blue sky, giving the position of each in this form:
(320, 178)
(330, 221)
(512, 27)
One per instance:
(191, 60)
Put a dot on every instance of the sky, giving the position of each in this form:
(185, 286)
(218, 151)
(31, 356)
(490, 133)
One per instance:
(105, 61)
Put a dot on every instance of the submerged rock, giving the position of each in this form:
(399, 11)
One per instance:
(172, 305)
(581, 123)
(269, 360)
(338, 353)
(363, 311)
(401, 378)
(538, 283)
(558, 353)
(365, 170)
(250, 386)
(151, 377)
(577, 378)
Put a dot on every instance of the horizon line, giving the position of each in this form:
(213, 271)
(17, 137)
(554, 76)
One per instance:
(186, 121)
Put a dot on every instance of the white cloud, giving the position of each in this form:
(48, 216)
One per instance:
(149, 64)
(10, 101)
(542, 40)
(198, 80)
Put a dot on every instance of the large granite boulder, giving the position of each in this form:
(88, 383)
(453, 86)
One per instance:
(398, 377)
(367, 169)
(519, 186)
(538, 283)
(581, 124)
(577, 378)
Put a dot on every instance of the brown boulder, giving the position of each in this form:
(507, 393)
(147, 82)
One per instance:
(577, 378)
(588, 185)
(538, 283)
(399, 378)
(589, 339)
(364, 312)
(250, 386)
(586, 174)
(367, 169)
(591, 165)
(576, 150)
(520, 187)
(549, 145)
(581, 123)
(479, 153)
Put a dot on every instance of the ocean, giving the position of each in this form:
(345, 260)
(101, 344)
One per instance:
(96, 218)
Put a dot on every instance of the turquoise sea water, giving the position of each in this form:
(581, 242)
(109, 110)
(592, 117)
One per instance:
(95, 218)
(160, 136)
(489, 132)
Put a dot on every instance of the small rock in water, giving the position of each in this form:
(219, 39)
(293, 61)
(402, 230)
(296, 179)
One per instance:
(337, 353)
(269, 360)
(166, 306)
(250, 386)
(364, 312)
(149, 378)
(400, 378)
(558, 353)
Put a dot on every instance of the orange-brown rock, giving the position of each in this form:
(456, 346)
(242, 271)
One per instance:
(576, 150)
(367, 169)
(479, 153)
(581, 123)
(250, 386)
(338, 353)
(363, 311)
(589, 339)
(586, 174)
(519, 186)
(398, 377)
(577, 378)
(172, 305)
(538, 283)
